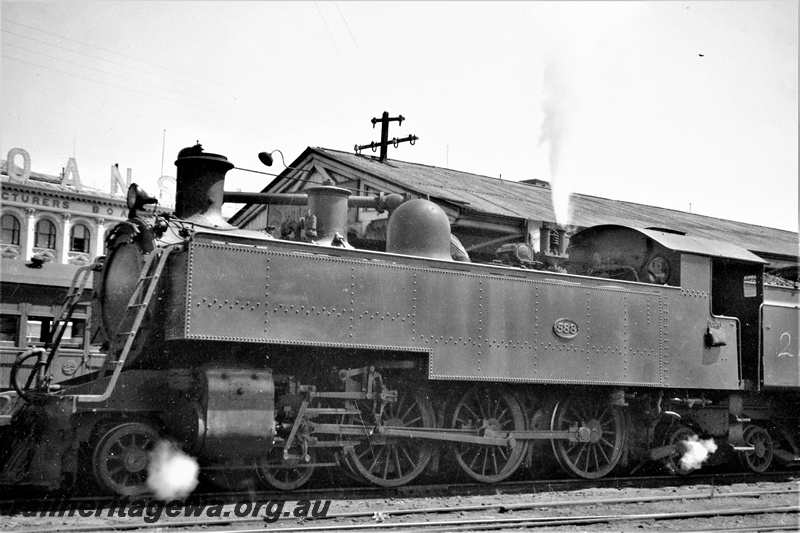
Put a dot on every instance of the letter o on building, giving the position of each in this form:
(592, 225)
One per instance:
(11, 167)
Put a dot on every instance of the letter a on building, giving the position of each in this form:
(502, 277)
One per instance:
(71, 176)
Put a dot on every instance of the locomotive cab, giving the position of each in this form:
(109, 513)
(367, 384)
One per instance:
(718, 279)
(733, 294)
(623, 253)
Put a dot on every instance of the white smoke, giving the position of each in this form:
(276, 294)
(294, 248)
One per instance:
(171, 473)
(591, 59)
(697, 452)
(557, 126)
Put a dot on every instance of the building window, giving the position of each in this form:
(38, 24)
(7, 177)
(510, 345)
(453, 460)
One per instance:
(38, 329)
(74, 332)
(80, 239)
(9, 328)
(10, 232)
(45, 235)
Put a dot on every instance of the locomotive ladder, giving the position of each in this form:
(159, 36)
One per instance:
(71, 300)
(132, 318)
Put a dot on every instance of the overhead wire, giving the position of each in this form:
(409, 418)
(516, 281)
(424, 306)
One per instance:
(352, 37)
(341, 57)
(286, 109)
(119, 76)
(184, 82)
(171, 69)
(181, 102)
(163, 97)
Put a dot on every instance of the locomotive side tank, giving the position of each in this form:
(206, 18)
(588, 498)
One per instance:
(266, 358)
(473, 322)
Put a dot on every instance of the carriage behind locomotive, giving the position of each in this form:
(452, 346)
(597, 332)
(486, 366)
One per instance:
(271, 358)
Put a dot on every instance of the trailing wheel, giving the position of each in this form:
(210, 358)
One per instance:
(120, 458)
(603, 426)
(286, 474)
(490, 413)
(390, 461)
(760, 459)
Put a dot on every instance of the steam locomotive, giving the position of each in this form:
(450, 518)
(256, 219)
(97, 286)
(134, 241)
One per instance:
(269, 358)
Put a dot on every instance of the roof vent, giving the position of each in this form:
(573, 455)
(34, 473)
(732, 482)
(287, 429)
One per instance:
(537, 183)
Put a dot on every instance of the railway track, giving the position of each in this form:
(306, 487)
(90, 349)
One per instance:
(500, 514)
(322, 491)
(495, 524)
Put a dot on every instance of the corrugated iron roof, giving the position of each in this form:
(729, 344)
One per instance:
(483, 194)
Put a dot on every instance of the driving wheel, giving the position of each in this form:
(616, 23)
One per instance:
(490, 413)
(390, 461)
(602, 428)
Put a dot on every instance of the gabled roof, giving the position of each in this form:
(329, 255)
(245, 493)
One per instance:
(474, 194)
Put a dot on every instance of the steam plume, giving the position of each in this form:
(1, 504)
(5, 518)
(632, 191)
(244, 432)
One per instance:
(171, 473)
(697, 452)
(556, 129)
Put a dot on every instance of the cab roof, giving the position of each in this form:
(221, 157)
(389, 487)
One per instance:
(680, 242)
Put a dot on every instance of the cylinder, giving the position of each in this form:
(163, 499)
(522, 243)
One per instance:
(200, 187)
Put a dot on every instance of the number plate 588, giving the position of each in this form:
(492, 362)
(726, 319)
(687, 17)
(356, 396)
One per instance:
(565, 328)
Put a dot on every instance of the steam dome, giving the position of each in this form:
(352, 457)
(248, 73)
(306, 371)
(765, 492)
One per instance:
(419, 227)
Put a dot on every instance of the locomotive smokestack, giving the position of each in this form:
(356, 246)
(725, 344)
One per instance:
(200, 187)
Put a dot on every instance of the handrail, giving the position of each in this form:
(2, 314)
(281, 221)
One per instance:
(158, 256)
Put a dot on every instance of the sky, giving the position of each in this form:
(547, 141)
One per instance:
(683, 105)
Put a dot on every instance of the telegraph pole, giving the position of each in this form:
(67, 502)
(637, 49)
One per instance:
(384, 142)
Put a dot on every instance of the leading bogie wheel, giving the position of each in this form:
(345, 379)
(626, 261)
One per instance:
(603, 426)
(390, 461)
(120, 458)
(678, 437)
(493, 413)
(286, 474)
(760, 459)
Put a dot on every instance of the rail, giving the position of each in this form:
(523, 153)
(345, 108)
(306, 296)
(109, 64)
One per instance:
(466, 523)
